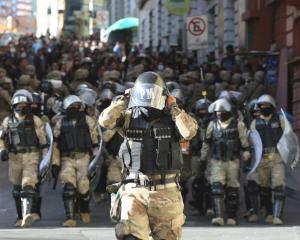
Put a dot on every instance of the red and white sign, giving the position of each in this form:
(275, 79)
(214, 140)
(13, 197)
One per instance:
(102, 19)
(197, 33)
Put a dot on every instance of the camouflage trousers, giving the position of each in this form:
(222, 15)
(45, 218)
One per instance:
(24, 168)
(270, 172)
(74, 170)
(114, 172)
(144, 212)
(225, 172)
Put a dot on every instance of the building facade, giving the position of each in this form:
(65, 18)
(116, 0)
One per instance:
(277, 23)
(160, 30)
(17, 16)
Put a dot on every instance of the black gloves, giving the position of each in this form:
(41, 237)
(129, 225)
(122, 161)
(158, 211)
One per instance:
(55, 171)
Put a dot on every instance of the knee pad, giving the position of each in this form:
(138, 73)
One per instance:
(253, 187)
(217, 189)
(279, 192)
(28, 191)
(69, 191)
(232, 194)
(16, 192)
(85, 197)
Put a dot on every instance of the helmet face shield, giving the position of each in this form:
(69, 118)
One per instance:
(147, 95)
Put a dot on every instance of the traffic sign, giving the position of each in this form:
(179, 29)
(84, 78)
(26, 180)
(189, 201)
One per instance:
(197, 33)
(102, 19)
(197, 26)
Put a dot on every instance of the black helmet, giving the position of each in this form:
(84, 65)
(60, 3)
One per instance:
(149, 91)
(46, 87)
(202, 103)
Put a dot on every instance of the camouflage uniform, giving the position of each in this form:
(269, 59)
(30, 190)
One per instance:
(73, 155)
(270, 173)
(24, 164)
(139, 209)
(225, 172)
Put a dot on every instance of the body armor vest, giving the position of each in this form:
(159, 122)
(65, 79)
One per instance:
(22, 136)
(269, 131)
(75, 136)
(154, 146)
(225, 142)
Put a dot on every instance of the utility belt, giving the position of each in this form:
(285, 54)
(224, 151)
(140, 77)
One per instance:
(147, 182)
(74, 154)
(269, 150)
(22, 150)
(154, 184)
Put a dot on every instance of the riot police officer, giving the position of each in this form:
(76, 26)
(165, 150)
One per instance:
(226, 136)
(271, 170)
(200, 184)
(22, 139)
(76, 140)
(149, 197)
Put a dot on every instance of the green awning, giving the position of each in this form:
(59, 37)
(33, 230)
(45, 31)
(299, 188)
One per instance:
(122, 24)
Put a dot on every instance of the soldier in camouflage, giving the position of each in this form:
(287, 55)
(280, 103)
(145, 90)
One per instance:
(225, 137)
(22, 138)
(149, 199)
(75, 141)
(270, 174)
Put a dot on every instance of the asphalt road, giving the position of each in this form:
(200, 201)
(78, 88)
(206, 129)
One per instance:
(196, 227)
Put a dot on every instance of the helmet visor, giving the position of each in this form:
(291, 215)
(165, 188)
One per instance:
(147, 95)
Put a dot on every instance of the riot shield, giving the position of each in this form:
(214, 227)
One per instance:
(288, 145)
(94, 170)
(288, 148)
(45, 164)
(257, 147)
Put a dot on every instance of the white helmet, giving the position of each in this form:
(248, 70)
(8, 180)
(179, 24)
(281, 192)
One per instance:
(220, 105)
(68, 101)
(266, 98)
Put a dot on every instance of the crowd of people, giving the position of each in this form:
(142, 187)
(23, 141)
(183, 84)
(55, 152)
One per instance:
(47, 80)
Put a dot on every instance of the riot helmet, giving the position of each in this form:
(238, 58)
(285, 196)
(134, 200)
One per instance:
(72, 106)
(201, 107)
(266, 104)
(46, 87)
(21, 102)
(222, 108)
(149, 91)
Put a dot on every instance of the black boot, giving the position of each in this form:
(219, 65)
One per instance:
(198, 191)
(84, 202)
(232, 204)
(253, 191)
(266, 201)
(17, 197)
(278, 205)
(218, 204)
(69, 197)
(29, 197)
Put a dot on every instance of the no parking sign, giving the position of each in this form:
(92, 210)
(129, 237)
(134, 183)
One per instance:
(197, 36)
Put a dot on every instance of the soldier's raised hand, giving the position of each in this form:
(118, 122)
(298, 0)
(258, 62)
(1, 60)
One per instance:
(170, 100)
